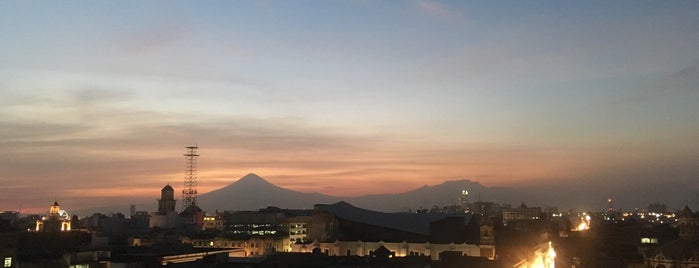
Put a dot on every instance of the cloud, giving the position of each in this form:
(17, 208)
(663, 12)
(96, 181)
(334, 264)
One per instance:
(153, 39)
(157, 32)
(102, 95)
(112, 146)
(21, 131)
(440, 10)
(144, 151)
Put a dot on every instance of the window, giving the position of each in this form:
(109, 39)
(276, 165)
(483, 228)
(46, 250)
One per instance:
(8, 262)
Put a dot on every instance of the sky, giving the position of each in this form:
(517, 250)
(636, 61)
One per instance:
(99, 98)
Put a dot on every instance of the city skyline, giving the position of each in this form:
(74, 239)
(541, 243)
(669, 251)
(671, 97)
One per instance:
(346, 98)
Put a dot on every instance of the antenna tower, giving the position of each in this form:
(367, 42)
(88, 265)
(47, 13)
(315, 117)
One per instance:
(189, 192)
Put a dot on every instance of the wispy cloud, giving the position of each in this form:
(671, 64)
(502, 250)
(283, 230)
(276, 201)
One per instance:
(440, 10)
(102, 95)
(319, 98)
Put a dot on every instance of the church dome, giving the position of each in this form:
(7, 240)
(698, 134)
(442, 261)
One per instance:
(192, 210)
(686, 213)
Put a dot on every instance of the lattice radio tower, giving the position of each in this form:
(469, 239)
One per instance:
(189, 192)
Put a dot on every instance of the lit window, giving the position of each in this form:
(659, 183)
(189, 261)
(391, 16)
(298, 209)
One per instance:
(8, 262)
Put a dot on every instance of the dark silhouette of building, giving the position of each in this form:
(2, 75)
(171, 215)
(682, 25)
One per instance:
(682, 252)
(166, 217)
(8, 241)
(192, 219)
(167, 201)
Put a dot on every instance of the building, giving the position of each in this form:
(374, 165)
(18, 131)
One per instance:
(521, 213)
(9, 240)
(397, 249)
(257, 232)
(57, 220)
(213, 222)
(61, 249)
(192, 219)
(11, 217)
(167, 201)
(173, 257)
(298, 228)
(166, 217)
(255, 223)
(657, 208)
(248, 247)
(140, 221)
(341, 229)
(485, 209)
(683, 252)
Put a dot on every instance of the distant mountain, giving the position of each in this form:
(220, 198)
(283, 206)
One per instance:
(252, 192)
(443, 194)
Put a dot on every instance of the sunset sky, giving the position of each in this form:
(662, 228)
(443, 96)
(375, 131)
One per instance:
(99, 98)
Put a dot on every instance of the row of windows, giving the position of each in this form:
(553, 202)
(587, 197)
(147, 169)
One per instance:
(226, 244)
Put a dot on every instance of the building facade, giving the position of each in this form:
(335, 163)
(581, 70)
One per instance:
(521, 213)
(397, 249)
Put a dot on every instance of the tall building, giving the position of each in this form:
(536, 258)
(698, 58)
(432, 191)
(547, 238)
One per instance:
(166, 217)
(463, 201)
(167, 201)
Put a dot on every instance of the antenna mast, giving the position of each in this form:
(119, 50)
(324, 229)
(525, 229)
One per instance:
(189, 192)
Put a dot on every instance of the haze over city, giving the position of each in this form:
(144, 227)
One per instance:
(581, 100)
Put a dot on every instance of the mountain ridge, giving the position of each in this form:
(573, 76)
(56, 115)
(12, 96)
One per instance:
(253, 192)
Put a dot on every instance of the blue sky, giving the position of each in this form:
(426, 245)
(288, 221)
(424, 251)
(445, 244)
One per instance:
(345, 97)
